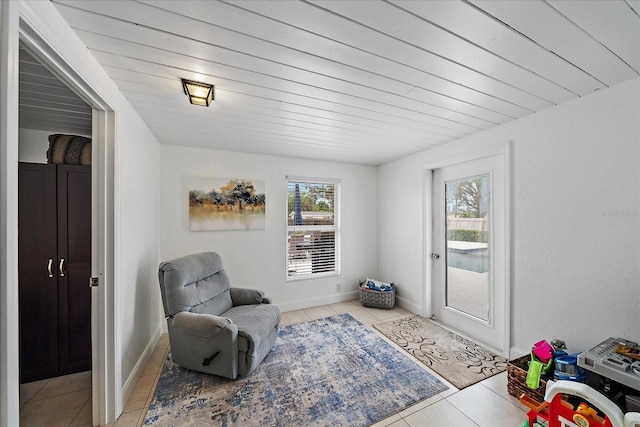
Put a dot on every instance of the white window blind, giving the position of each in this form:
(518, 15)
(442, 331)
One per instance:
(313, 231)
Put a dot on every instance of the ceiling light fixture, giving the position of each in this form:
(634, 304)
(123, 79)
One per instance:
(198, 93)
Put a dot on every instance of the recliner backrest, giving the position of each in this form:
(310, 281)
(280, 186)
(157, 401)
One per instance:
(196, 283)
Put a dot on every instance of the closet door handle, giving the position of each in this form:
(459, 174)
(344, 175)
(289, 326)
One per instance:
(61, 267)
(49, 267)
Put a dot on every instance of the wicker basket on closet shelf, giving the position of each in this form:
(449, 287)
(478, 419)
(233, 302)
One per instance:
(377, 299)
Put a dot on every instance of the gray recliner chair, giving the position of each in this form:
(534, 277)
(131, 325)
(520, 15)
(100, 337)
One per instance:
(213, 327)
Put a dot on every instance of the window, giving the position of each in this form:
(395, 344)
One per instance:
(313, 228)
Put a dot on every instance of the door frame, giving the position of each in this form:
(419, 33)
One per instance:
(22, 25)
(503, 149)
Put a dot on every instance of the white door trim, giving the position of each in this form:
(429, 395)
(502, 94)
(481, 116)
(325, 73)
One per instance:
(105, 380)
(503, 149)
(9, 342)
(23, 25)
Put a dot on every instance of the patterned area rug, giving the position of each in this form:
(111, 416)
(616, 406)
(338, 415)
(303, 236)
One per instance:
(458, 360)
(328, 372)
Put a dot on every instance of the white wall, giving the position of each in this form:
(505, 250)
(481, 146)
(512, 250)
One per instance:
(256, 258)
(575, 213)
(137, 243)
(135, 308)
(33, 145)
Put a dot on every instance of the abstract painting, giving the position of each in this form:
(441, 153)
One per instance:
(226, 204)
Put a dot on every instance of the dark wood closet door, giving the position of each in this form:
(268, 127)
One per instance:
(38, 289)
(74, 253)
(54, 258)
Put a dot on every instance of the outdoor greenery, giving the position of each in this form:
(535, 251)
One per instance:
(466, 200)
(313, 197)
(468, 236)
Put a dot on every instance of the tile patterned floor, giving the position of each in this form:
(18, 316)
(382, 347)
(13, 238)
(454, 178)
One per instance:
(66, 401)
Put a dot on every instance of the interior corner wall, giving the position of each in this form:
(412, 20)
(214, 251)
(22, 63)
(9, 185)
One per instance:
(575, 215)
(257, 258)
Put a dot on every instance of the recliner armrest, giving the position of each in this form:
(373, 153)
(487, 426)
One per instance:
(246, 296)
(200, 325)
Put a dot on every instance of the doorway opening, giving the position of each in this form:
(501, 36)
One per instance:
(34, 35)
(54, 245)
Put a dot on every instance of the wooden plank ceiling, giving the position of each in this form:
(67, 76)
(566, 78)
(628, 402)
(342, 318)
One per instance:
(355, 81)
(46, 103)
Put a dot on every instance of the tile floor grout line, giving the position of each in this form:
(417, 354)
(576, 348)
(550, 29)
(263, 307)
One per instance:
(503, 397)
(55, 395)
(80, 410)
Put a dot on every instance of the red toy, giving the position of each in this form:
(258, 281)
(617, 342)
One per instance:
(558, 412)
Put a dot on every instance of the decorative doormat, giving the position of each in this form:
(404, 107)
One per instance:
(458, 360)
(327, 372)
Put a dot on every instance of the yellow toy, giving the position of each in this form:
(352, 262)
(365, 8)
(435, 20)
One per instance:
(584, 409)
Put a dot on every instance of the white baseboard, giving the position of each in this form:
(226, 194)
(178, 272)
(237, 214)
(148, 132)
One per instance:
(408, 305)
(347, 296)
(132, 380)
(314, 302)
(516, 352)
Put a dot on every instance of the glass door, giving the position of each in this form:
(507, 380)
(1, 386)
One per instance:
(467, 245)
(469, 259)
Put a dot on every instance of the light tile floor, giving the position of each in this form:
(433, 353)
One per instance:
(66, 401)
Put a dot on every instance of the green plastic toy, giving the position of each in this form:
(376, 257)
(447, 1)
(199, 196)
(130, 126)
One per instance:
(536, 370)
